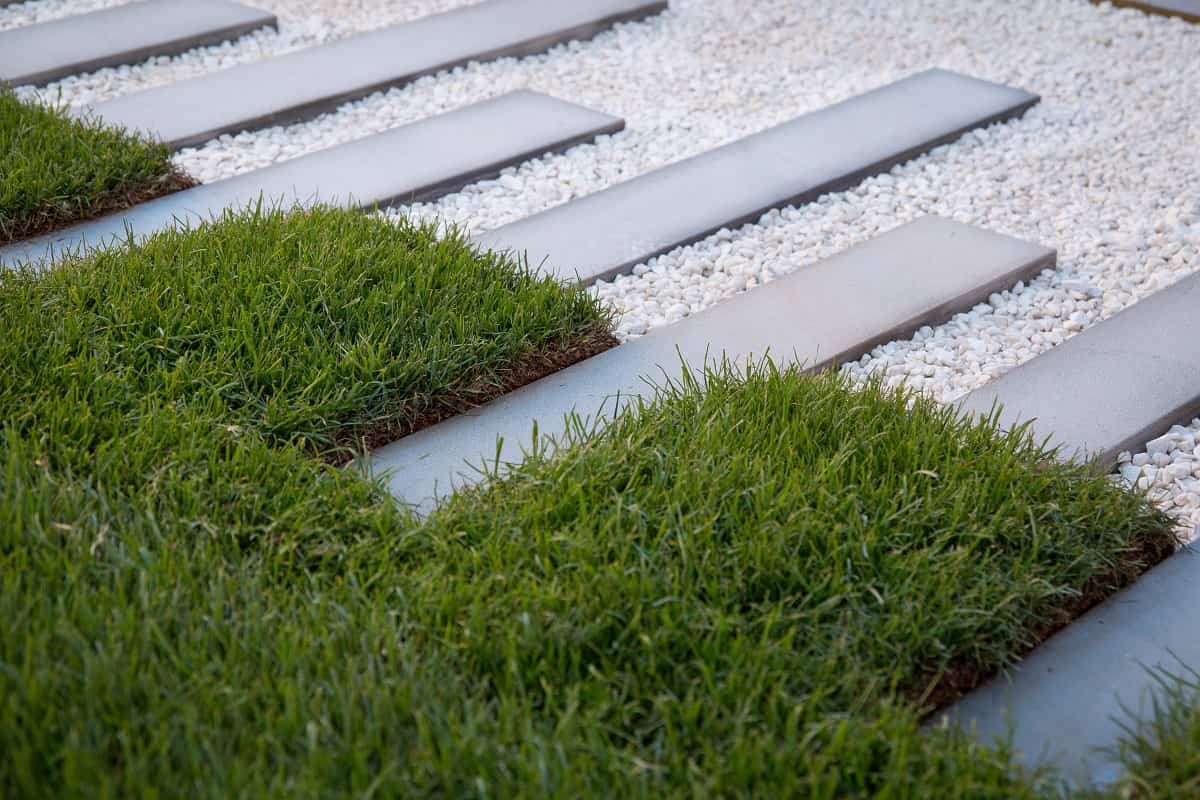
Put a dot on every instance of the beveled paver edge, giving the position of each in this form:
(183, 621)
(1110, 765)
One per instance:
(936, 316)
(435, 191)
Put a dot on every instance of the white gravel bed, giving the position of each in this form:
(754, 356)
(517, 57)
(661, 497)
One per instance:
(302, 23)
(1170, 471)
(1105, 170)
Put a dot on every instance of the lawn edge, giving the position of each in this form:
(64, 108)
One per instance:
(531, 367)
(114, 201)
(940, 689)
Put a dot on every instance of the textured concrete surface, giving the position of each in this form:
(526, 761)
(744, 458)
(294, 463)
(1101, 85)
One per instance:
(304, 84)
(1113, 387)
(1068, 700)
(1185, 9)
(821, 315)
(420, 161)
(126, 34)
(611, 231)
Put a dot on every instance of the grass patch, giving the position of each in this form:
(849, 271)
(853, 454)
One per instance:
(319, 330)
(738, 591)
(1161, 755)
(59, 169)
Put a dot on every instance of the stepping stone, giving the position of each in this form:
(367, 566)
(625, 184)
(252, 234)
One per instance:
(127, 34)
(419, 161)
(1069, 698)
(603, 234)
(1113, 387)
(1184, 9)
(822, 315)
(301, 85)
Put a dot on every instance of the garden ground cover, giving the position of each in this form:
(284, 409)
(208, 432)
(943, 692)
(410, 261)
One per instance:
(1161, 755)
(759, 586)
(58, 169)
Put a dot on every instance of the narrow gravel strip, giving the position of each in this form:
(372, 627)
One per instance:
(302, 23)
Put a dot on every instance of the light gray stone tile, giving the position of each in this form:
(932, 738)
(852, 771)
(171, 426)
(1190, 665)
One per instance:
(126, 34)
(1185, 9)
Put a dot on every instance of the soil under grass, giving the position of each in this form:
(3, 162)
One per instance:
(744, 590)
(58, 170)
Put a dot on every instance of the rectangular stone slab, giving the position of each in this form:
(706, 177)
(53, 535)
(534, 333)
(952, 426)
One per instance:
(301, 85)
(603, 234)
(1113, 387)
(1184, 9)
(1070, 696)
(419, 161)
(821, 315)
(36, 54)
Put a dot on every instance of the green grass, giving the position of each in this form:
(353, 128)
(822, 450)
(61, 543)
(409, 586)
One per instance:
(58, 169)
(312, 329)
(740, 591)
(1161, 755)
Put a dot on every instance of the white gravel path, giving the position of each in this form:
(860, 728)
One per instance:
(1106, 169)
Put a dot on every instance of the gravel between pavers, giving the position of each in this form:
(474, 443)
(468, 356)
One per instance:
(302, 23)
(1105, 169)
(1170, 471)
